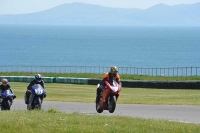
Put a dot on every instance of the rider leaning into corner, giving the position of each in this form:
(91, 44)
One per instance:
(6, 86)
(37, 80)
(108, 76)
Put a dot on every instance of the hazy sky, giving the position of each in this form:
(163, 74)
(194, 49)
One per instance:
(28, 6)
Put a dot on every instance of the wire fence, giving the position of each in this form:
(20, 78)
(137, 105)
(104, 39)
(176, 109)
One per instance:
(172, 71)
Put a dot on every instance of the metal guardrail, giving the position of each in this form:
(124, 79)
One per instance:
(172, 71)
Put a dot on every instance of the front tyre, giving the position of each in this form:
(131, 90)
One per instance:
(111, 103)
(7, 104)
(39, 103)
(28, 107)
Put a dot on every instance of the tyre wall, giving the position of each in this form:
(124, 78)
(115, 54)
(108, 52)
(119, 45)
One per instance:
(125, 83)
(71, 80)
(47, 79)
(155, 84)
(26, 79)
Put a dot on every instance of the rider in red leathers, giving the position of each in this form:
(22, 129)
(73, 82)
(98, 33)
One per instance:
(112, 75)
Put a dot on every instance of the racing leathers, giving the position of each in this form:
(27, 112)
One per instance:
(28, 92)
(107, 77)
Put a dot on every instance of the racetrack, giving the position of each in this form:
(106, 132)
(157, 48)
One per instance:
(181, 113)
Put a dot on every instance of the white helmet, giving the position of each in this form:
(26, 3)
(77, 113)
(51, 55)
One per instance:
(4, 81)
(38, 77)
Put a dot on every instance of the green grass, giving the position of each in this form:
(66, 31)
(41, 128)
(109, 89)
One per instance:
(53, 121)
(87, 93)
(99, 76)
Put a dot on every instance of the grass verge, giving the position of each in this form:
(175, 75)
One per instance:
(53, 121)
(87, 93)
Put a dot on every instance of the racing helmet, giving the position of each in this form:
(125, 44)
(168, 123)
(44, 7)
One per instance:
(4, 81)
(38, 77)
(113, 69)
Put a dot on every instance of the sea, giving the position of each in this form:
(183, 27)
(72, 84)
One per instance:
(122, 46)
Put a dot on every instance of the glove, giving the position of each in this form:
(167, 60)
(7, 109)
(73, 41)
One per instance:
(45, 95)
(14, 96)
(101, 87)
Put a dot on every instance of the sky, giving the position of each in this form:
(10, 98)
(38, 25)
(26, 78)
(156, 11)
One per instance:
(30, 6)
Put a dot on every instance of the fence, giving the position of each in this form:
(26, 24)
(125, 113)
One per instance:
(173, 71)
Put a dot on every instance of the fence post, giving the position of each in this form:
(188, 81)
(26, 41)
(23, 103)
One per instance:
(186, 71)
(196, 71)
(177, 71)
(164, 72)
(156, 71)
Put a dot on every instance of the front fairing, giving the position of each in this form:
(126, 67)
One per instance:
(113, 86)
(6, 94)
(38, 90)
(6, 97)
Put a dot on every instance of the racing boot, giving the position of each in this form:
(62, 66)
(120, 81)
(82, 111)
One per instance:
(98, 93)
(0, 99)
(45, 95)
(27, 95)
(97, 98)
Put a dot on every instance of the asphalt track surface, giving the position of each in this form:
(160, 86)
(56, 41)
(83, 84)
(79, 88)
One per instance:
(181, 113)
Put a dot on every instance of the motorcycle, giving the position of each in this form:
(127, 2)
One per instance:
(108, 97)
(6, 99)
(36, 97)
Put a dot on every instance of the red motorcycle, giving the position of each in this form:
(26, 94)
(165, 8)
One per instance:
(108, 97)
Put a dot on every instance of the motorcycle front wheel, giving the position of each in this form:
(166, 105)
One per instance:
(39, 103)
(7, 105)
(111, 103)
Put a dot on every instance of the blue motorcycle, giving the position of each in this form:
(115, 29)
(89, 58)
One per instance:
(6, 99)
(36, 97)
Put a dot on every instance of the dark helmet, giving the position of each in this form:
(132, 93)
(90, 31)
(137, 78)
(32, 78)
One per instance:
(4, 81)
(38, 77)
(113, 69)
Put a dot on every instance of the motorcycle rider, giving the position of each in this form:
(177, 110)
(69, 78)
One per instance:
(6, 86)
(37, 80)
(112, 75)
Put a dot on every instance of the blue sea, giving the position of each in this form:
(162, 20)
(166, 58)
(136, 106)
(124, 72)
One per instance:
(146, 47)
